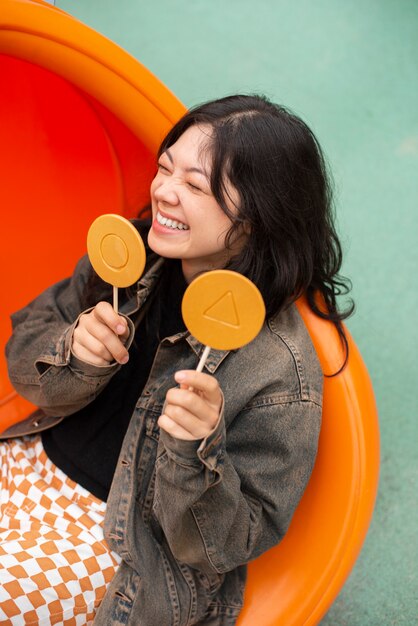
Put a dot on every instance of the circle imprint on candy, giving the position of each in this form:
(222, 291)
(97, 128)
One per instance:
(116, 250)
(223, 309)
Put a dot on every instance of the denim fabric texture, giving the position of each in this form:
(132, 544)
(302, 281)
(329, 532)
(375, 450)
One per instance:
(185, 516)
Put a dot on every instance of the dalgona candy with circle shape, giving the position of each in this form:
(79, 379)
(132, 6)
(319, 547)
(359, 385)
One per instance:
(116, 250)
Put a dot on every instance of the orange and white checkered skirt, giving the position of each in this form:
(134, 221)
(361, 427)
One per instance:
(55, 564)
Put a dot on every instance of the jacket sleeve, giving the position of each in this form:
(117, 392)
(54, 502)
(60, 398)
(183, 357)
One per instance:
(223, 501)
(41, 365)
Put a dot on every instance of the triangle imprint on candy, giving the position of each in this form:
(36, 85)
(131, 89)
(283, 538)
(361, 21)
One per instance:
(223, 311)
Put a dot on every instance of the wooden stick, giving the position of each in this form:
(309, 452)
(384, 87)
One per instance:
(115, 299)
(203, 358)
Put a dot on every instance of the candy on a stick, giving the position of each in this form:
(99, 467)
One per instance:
(116, 252)
(223, 310)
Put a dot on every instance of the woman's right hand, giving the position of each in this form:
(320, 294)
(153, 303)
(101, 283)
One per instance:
(99, 336)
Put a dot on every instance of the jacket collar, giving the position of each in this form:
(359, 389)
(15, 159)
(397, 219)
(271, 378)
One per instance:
(143, 288)
(215, 357)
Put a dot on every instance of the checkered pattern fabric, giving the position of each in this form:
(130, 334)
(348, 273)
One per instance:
(54, 562)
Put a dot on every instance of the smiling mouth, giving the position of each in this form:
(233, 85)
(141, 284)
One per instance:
(173, 224)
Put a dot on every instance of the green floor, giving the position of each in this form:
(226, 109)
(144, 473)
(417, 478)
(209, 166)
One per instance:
(350, 69)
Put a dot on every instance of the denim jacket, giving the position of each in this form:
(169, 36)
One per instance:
(185, 516)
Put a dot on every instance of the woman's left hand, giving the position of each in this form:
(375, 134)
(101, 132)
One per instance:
(192, 410)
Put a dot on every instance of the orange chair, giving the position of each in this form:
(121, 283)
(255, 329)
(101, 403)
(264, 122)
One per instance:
(80, 122)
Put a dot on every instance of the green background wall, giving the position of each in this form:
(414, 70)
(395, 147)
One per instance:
(349, 68)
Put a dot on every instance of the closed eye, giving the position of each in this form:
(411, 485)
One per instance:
(194, 187)
(163, 168)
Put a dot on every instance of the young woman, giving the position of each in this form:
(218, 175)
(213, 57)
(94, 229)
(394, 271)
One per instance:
(194, 474)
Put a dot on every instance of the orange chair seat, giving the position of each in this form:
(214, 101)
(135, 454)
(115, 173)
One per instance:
(80, 122)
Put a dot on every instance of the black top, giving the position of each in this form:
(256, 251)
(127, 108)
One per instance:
(86, 445)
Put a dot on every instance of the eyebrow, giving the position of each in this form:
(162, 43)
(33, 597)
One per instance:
(198, 170)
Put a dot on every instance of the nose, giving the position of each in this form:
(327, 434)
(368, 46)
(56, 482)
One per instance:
(165, 191)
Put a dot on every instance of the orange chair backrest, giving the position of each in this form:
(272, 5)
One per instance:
(80, 122)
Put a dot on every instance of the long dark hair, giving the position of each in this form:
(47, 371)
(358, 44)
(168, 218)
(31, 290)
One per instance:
(276, 164)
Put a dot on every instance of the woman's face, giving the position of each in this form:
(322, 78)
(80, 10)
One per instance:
(188, 223)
